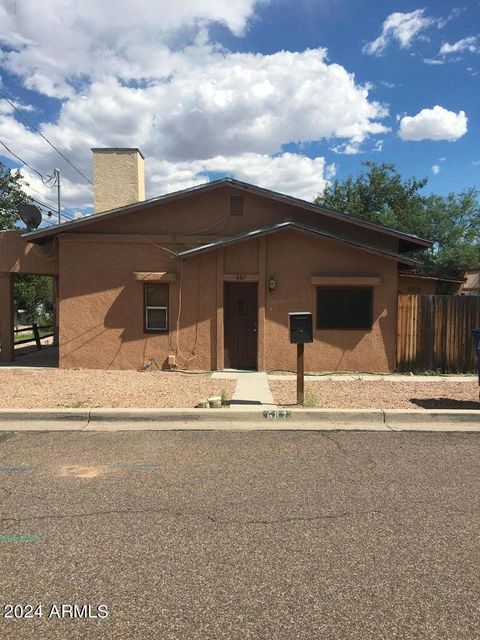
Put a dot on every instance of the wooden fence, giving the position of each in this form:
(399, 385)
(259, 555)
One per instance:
(434, 333)
(38, 333)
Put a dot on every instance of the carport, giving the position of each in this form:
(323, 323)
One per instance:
(19, 257)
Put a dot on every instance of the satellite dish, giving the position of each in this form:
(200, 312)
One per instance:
(30, 215)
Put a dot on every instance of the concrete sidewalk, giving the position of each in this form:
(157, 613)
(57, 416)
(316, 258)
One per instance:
(252, 390)
(375, 377)
(228, 420)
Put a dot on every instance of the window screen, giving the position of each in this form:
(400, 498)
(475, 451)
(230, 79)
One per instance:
(344, 307)
(156, 307)
(236, 205)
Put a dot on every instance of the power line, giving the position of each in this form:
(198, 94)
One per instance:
(25, 119)
(50, 208)
(64, 209)
(42, 177)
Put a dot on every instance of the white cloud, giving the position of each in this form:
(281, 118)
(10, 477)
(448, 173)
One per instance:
(469, 44)
(402, 28)
(289, 173)
(6, 107)
(435, 169)
(433, 61)
(152, 79)
(214, 104)
(132, 40)
(434, 124)
(347, 148)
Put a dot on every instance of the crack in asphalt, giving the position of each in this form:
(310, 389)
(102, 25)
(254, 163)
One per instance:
(220, 521)
(332, 439)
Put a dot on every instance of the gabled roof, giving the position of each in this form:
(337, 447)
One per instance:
(408, 242)
(291, 224)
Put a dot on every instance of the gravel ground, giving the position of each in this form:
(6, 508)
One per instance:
(51, 388)
(365, 394)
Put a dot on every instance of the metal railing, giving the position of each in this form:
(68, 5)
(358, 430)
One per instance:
(35, 330)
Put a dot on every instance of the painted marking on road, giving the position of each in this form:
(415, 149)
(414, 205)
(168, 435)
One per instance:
(13, 469)
(19, 538)
(78, 471)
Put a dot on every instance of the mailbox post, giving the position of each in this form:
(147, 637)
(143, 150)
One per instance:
(301, 331)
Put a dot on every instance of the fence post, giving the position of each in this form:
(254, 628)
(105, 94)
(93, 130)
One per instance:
(36, 335)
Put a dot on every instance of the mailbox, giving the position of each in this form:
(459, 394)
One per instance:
(301, 327)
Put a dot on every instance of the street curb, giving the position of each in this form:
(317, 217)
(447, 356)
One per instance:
(392, 416)
(224, 419)
(90, 416)
(54, 415)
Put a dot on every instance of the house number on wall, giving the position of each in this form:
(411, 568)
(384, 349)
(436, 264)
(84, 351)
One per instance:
(241, 276)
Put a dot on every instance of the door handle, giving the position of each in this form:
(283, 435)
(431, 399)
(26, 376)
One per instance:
(254, 327)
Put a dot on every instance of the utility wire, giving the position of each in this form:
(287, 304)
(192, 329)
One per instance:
(44, 181)
(64, 209)
(25, 119)
(42, 177)
(50, 208)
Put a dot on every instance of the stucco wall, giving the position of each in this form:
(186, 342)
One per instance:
(19, 256)
(208, 213)
(101, 305)
(292, 258)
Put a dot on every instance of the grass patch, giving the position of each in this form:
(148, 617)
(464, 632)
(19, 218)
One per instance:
(309, 399)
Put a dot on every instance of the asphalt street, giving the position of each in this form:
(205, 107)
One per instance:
(240, 535)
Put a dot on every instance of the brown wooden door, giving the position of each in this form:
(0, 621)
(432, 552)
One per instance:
(240, 325)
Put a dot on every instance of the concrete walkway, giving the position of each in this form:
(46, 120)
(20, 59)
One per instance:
(387, 377)
(252, 390)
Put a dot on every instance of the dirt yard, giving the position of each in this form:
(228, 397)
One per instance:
(52, 388)
(365, 394)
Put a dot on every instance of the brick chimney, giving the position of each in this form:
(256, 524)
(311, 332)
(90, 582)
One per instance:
(118, 177)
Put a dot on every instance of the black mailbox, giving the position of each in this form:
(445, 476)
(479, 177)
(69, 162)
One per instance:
(301, 327)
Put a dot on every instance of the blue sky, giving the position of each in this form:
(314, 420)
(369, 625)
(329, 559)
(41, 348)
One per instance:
(286, 94)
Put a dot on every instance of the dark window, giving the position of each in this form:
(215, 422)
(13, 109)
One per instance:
(344, 307)
(236, 205)
(156, 307)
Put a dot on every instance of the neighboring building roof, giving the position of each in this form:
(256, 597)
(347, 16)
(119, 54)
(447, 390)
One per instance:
(472, 280)
(291, 224)
(408, 242)
(419, 276)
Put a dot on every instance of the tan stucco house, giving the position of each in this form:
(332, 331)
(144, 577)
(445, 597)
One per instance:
(204, 278)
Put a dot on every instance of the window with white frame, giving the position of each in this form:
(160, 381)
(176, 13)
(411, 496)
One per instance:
(156, 307)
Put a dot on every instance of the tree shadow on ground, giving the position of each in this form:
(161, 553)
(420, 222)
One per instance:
(445, 403)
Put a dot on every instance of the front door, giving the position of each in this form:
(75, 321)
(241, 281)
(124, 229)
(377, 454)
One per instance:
(240, 325)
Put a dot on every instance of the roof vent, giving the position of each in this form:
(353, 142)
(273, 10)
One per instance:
(236, 205)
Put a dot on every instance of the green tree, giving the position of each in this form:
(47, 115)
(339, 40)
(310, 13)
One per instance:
(11, 196)
(30, 291)
(379, 194)
(33, 292)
